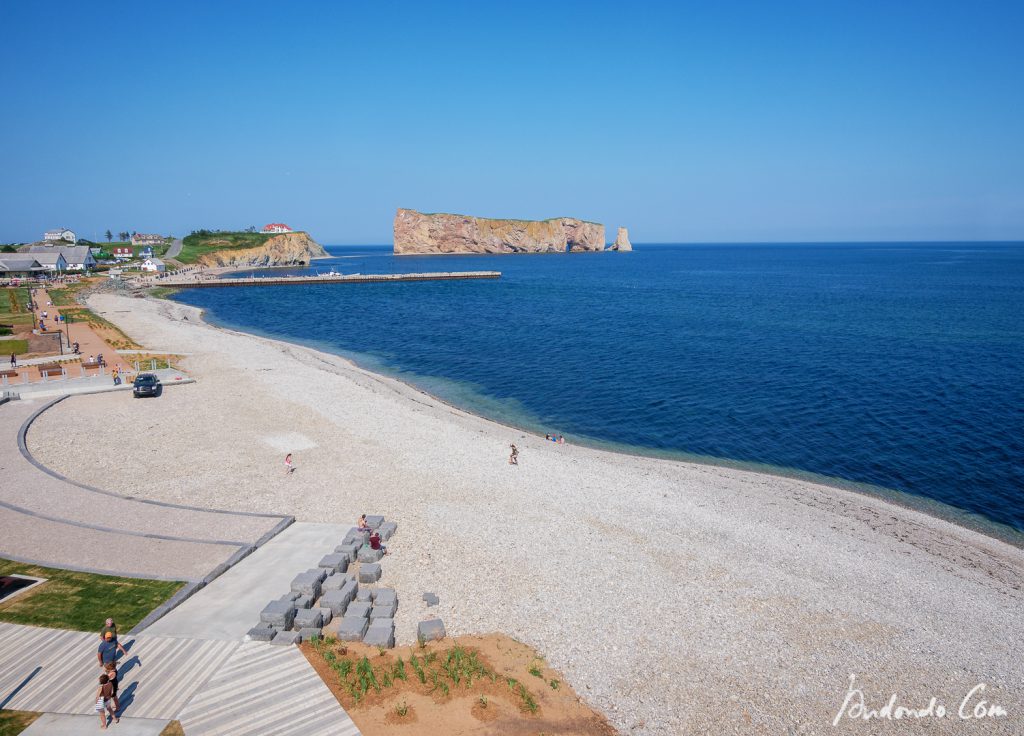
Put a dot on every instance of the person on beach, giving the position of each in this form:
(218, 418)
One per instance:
(104, 704)
(289, 468)
(362, 525)
(375, 542)
(513, 459)
(560, 440)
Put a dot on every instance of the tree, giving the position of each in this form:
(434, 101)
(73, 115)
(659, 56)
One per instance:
(110, 236)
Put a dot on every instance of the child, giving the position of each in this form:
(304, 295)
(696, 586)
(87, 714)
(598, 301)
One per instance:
(288, 467)
(103, 704)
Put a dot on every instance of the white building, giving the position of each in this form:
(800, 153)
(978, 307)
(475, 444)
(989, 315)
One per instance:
(276, 227)
(60, 234)
(146, 239)
(76, 257)
(153, 264)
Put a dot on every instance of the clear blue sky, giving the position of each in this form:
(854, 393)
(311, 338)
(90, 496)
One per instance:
(706, 122)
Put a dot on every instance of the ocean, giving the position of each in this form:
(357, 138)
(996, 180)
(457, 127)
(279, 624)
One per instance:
(894, 368)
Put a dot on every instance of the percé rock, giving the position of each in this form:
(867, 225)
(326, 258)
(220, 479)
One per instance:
(286, 249)
(622, 240)
(417, 233)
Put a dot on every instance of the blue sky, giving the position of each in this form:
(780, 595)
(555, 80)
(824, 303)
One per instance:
(685, 122)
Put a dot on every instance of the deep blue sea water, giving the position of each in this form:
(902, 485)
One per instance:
(895, 365)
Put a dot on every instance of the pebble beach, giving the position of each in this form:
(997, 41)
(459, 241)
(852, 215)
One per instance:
(675, 597)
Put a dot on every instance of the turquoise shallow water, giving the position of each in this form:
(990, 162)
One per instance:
(892, 365)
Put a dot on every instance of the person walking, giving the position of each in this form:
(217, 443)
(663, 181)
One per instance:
(289, 468)
(110, 670)
(104, 703)
(513, 459)
(14, 360)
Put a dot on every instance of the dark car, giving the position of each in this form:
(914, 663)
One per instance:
(146, 384)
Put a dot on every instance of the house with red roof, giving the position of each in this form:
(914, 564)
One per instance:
(276, 227)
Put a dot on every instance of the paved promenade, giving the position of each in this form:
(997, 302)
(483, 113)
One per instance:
(215, 688)
(50, 520)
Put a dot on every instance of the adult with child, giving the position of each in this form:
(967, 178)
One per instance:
(105, 702)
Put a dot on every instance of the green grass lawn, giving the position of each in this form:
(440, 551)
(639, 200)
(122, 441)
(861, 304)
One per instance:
(14, 306)
(18, 347)
(82, 600)
(13, 722)
(198, 244)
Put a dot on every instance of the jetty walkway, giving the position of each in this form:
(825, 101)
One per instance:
(201, 280)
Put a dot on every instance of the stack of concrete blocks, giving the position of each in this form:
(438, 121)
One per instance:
(329, 591)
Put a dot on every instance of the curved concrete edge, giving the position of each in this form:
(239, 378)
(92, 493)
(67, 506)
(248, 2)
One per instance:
(119, 532)
(93, 570)
(27, 454)
(194, 587)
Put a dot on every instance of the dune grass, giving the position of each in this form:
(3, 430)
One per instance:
(13, 722)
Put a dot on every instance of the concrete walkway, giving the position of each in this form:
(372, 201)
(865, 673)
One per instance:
(56, 724)
(213, 687)
(50, 520)
(229, 606)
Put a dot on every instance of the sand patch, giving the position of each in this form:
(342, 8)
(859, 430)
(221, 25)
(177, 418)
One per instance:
(289, 442)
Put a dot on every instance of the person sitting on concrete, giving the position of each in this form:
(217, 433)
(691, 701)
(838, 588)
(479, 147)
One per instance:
(362, 525)
(375, 542)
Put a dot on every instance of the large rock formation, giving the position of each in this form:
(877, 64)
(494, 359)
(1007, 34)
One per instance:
(622, 240)
(287, 249)
(417, 233)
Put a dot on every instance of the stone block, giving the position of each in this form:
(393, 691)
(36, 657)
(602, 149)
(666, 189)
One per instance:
(336, 600)
(304, 601)
(307, 583)
(287, 637)
(326, 614)
(365, 595)
(290, 596)
(336, 581)
(358, 609)
(311, 633)
(387, 530)
(319, 572)
(262, 633)
(334, 562)
(385, 597)
(383, 611)
(352, 628)
(430, 630)
(431, 599)
(369, 573)
(349, 548)
(366, 554)
(279, 614)
(374, 521)
(380, 633)
(308, 618)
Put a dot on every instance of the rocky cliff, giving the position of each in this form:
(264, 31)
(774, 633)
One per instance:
(622, 240)
(286, 249)
(417, 233)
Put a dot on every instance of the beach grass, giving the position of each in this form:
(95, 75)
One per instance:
(82, 600)
(13, 722)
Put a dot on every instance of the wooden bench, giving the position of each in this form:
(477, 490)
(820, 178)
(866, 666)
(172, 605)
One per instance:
(93, 364)
(51, 370)
(9, 374)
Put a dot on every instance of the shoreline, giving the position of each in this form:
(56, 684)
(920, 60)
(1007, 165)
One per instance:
(930, 507)
(675, 597)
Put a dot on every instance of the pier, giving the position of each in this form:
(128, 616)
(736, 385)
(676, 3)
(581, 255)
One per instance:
(323, 278)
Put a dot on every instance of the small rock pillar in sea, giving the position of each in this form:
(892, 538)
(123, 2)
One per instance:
(622, 240)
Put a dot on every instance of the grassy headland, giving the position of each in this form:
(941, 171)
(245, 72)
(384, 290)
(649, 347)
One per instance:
(202, 242)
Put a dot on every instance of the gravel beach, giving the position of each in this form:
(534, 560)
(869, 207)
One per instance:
(677, 598)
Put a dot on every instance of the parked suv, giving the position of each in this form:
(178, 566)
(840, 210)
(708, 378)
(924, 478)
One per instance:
(146, 384)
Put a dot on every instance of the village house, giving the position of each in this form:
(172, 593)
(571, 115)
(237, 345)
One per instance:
(60, 234)
(123, 252)
(53, 261)
(154, 264)
(146, 252)
(147, 239)
(276, 227)
(76, 257)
